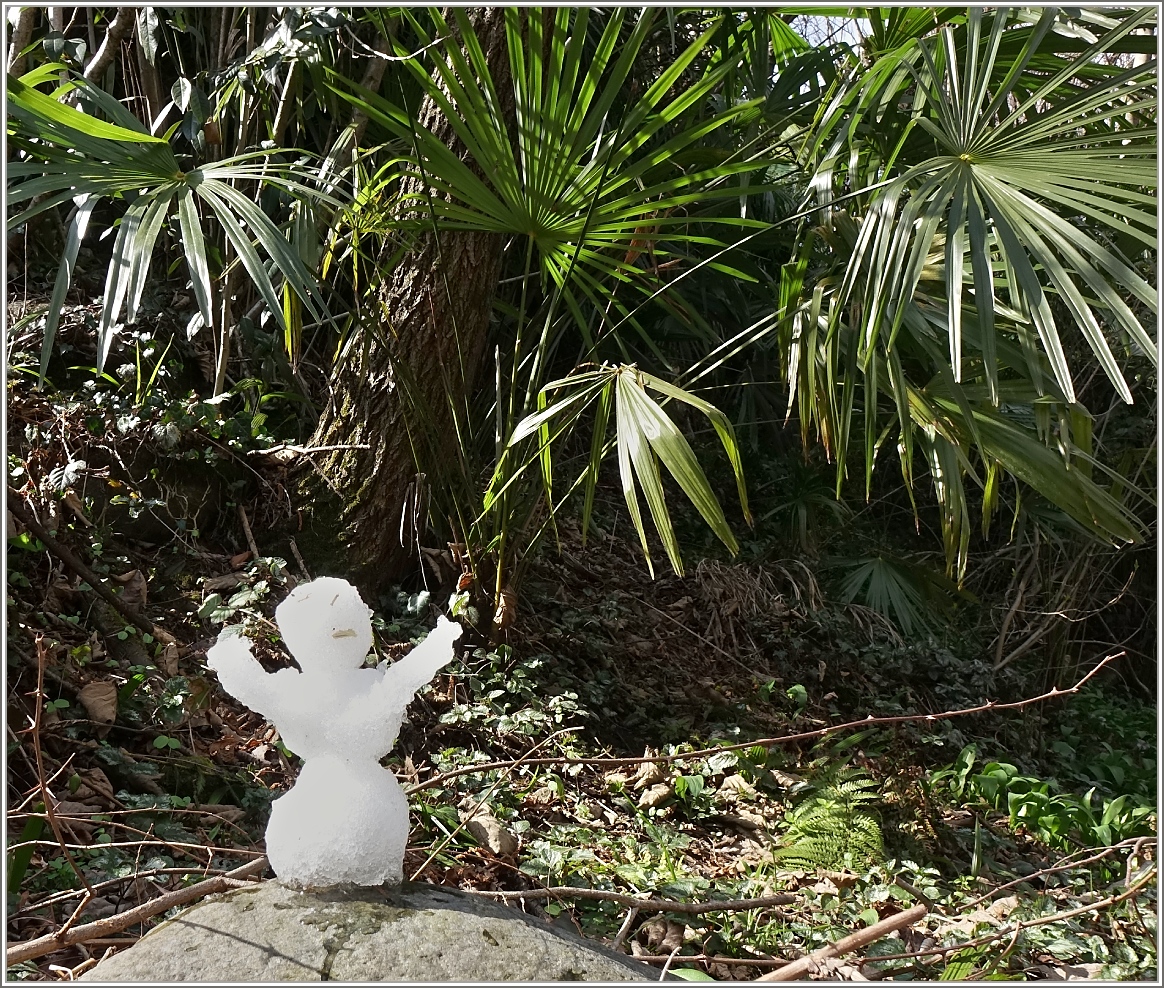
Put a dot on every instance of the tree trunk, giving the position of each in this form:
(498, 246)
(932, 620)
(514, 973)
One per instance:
(437, 297)
(21, 36)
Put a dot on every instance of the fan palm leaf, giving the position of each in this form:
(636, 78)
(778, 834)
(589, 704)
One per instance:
(69, 154)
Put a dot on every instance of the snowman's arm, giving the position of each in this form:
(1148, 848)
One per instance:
(402, 679)
(242, 677)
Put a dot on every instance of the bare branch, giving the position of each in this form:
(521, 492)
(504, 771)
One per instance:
(790, 972)
(870, 721)
(652, 905)
(121, 25)
(30, 949)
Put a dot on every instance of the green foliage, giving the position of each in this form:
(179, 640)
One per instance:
(589, 168)
(645, 436)
(967, 153)
(1061, 820)
(505, 699)
(833, 828)
(67, 154)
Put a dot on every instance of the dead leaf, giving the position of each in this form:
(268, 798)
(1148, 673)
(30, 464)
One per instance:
(94, 782)
(73, 503)
(655, 795)
(61, 597)
(169, 660)
(242, 557)
(162, 635)
(82, 828)
(506, 612)
(217, 814)
(662, 934)
(545, 796)
(99, 699)
(489, 832)
(736, 787)
(615, 780)
(11, 528)
(135, 589)
(228, 581)
(1002, 908)
(649, 773)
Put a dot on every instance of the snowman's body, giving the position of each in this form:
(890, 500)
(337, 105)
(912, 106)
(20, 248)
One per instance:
(345, 819)
(342, 821)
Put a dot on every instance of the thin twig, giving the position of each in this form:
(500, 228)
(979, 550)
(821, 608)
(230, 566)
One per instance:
(714, 959)
(50, 812)
(66, 556)
(870, 721)
(299, 560)
(242, 514)
(30, 949)
(1067, 863)
(481, 802)
(853, 941)
(112, 882)
(1020, 925)
(653, 905)
(667, 966)
(631, 915)
(137, 843)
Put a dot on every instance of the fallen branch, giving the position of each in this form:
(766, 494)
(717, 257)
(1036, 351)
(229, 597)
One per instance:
(1072, 861)
(711, 959)
(246, 525)
(853, 941)
(99, 887)
(870, 721)
(66, 556)
(305, 450)
(653, 905)
(30, 949)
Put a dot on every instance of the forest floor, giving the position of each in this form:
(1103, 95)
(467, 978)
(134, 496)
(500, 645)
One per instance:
(680, 739)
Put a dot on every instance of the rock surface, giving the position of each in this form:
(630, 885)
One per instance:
(414, 932)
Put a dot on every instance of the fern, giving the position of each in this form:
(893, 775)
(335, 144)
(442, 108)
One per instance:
(833, 828)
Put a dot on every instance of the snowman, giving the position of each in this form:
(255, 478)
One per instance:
(346, 819)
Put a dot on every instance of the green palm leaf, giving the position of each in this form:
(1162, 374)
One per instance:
(69, 154)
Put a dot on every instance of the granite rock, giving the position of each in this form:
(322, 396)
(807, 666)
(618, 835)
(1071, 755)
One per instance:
(412, 932)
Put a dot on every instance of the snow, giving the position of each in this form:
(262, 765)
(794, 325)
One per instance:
(345, 820)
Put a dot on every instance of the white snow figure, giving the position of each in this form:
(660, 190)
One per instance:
(345, 819)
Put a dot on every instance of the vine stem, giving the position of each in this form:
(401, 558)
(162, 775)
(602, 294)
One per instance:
(870, 721)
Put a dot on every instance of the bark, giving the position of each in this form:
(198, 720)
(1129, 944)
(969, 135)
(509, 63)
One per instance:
(151, 85)
(121, 25)
(21, 36)
(441, 285)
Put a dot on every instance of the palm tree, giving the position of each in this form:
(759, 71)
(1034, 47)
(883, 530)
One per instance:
(910, 225)
(525, 137)
(998, 176)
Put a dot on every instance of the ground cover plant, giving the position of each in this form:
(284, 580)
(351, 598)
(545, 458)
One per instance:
(808, 689)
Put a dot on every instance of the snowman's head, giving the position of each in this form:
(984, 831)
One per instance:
(326, 625)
